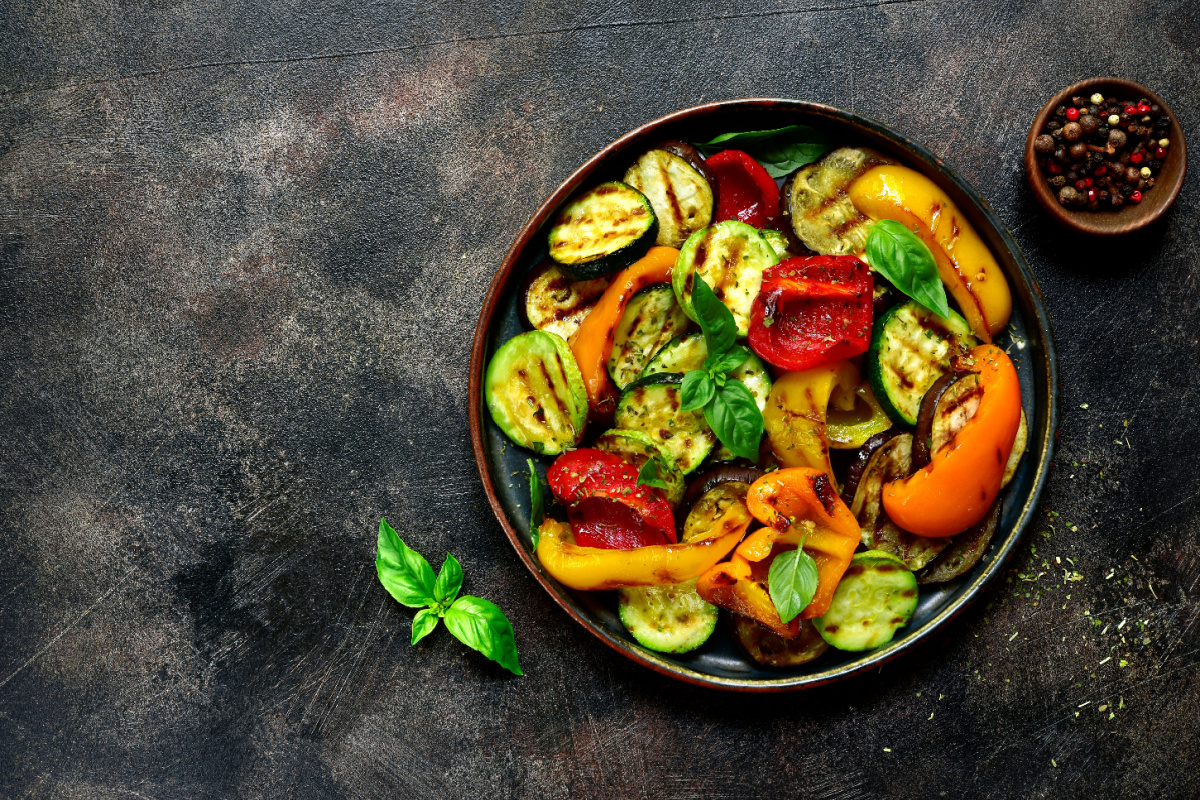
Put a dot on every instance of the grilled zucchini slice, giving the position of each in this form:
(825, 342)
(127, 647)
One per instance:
(671, 618)
(535, 393)
(911, 347)
(652, 405)
(730, 256)
(876, 597)
(681, 197)
(555, 303)
(818, 207)
(637, 448)
(603, 230)
(652, 318)
(688, 352)
(778, 241)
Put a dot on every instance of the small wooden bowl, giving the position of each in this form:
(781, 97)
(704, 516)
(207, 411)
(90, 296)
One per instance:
(1129, 217)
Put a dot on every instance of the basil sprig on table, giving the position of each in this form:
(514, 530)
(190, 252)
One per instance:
(780, 150)
(477, 623)
(899, 255)
(792, 582)
(729, 407)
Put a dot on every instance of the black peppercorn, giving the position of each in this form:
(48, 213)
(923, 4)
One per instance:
(1117, 200)
(1093, 110)
(1102, 133)
(1072, 131)
(1058, 181)
(1163, 122)
(1125, 118)
(1078, 101)
(1061, 111)
(1061, 154)
(1155, 165)
(1155, 109)
(1044, 144)
(1053, 125)
(1072, 176)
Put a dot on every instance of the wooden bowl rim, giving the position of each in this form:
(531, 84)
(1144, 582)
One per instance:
(1106, 223)
(1043, 447)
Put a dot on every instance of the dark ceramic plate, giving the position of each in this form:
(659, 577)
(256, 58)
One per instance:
(720, 662)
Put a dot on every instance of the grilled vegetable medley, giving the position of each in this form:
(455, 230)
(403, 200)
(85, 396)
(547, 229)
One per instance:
(778, 397)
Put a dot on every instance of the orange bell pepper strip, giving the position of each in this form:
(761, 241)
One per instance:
(741, 586)
(592, 343)
(801, 504)
(960, 483)
(797, 504)
(588, 568)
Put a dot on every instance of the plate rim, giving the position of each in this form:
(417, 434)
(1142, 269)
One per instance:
(876, 658)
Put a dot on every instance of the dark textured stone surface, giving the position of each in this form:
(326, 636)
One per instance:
(242, 251)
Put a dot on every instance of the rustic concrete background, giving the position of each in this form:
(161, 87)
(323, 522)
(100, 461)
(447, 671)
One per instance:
(242, 251)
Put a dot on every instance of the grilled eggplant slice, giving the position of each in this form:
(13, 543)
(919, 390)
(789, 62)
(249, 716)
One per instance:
(555, 303)
(950, 402)
(890, 460)
(964, 552)
(653, 405)
(730, 256)
(770, 649)
(652, 318)
(725, 500)
(682, 197)
(603, 230)
(637, 448)
(535, 392)
(911, 347)
(818, 208)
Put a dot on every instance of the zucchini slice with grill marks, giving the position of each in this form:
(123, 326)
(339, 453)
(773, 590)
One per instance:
(911, 347)
(876, 597)
(535, 393)
(681, 197)
(820, 211)
(652, 405)
(603, 230)
(730, 256)
(672, 618)
(652, 318)
(637, 448)
(688, 352)
(555, 303)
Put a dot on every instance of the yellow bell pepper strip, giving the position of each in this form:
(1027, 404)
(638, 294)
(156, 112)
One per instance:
(960, 483)
(592, 343)
(588, 568)
(801, 504)
(795, 415)
(849, 429)
(965, 263)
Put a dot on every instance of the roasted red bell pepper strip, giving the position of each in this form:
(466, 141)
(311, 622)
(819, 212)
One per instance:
(958, 486)
(592, 342)
(606, 507)
(812, 311)
(745, 191)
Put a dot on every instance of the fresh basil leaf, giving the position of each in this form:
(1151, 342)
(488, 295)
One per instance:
(481, 625)
(648, 475)
(899, 255)
(403, 572)
(781, 151)
(734, 417)
(729, 360)
(423, 624)
(720, 329)
(537, 502)
(792, 582)
(697, 389)
(449, 581)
